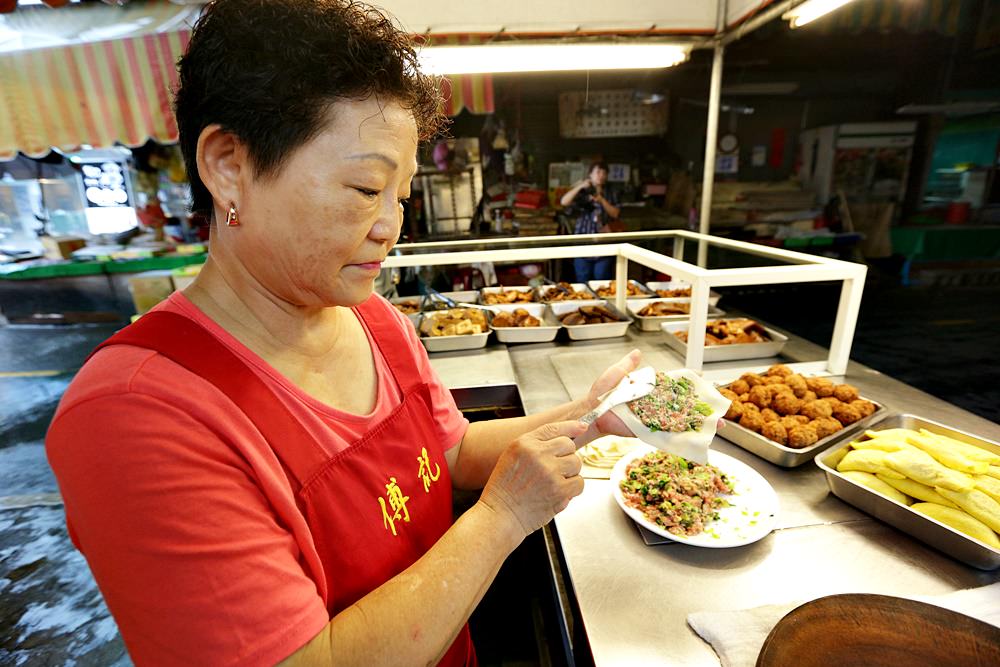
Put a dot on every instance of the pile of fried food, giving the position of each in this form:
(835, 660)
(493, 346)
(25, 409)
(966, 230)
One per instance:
(611, 290)
(507, 296)
(674, 293)
(948, 480)
(793, 410)
(454, 322)
(519, 318)
(564, 292)
(665, 308)
(730, 332)
(408, 307)
(588, 315)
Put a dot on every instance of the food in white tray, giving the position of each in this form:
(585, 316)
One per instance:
(454, 322)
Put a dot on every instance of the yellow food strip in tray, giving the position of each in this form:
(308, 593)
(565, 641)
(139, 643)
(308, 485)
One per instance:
(988, 485)
(946, 455)
(967, 450)
(960, 521)
(922, 467)
(885, 444)
(976, 503)
(993, 471)
(917, 490)
(876, 485)
(867, 460)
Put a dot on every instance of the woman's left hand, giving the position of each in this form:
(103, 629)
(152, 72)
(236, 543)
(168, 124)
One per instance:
(608, 423)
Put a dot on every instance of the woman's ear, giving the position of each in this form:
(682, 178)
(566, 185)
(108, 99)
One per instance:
(222, 160)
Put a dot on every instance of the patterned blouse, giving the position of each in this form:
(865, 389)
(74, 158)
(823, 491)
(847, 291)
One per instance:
(590, 215)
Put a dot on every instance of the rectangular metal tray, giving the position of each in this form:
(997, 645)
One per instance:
(450, 343)
(543, 334)
(414, 317)
(726, 352)
(595, 285)
(591, 331)
(713, 296)
(927, 530)
(577, 287)
(462, 296)
(496, 290)
(789, 457)
(653, 323)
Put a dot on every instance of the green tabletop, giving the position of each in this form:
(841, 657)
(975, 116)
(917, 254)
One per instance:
(66, 269)
(946, 243)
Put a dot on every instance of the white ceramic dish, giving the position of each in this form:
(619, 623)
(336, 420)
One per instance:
(451, 343)
(496, 290)
(715, 353)
(543, 334)
(595, 285)
(751, 515)
(713, 297)
(577, 287)
(591, 331)
(653, 323)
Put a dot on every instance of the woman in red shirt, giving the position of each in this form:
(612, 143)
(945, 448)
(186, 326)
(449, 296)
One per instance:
(261, 468)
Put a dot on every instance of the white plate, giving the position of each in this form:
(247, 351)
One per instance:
(541, 334)
(591, 331)
(750, 517)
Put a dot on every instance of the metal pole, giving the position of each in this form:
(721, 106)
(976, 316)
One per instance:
(711, 138)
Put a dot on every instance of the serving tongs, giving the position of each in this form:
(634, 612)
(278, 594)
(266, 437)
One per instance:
(635, 385)
(432, 296)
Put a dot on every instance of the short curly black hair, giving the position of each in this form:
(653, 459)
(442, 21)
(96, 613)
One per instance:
(268, 71)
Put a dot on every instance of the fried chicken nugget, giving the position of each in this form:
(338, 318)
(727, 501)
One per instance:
(809, 396)
(825, 426)
(775, 389)
(846, 414)
(774, 379)
(779, 369)
(791, 421)
(786, 404)
(775, 431)
(739, 387)
(816, 409)
(845, 393)
(821, 386)
(769, 415)
(725, 392)
(735, 410)
(833, 401)
(802, 436)
(798, 385)
(752, 379)
(866, 408)
(745, 396)
(760, 396)
(752, 421)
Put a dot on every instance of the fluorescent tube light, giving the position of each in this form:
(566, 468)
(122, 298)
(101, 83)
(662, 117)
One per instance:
(810, 10)
(549, 57)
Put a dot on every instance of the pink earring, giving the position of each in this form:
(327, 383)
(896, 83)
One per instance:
(232, 218)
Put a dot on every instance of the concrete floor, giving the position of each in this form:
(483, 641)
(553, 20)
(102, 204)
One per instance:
(942, 340)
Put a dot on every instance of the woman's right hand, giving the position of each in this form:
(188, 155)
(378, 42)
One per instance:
(536, 476)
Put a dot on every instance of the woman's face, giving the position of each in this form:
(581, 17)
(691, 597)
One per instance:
(598, 176)
(316, 232)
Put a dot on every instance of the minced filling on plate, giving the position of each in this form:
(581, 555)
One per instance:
(671, 406)
(672, 492)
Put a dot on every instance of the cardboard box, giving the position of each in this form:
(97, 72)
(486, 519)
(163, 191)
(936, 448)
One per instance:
(62, 247)
(149, 288)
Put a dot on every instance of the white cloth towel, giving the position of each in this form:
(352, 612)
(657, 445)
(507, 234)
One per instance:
(737, 636)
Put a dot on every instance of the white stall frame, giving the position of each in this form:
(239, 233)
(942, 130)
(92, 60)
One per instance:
(797, 268)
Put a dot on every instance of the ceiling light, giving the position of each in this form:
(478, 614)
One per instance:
(549, 57)
(810, 10)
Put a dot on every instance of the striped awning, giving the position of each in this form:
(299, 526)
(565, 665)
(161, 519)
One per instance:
(469, 91)
(98, 94)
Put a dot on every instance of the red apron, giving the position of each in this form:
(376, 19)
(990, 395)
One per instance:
(373, 508)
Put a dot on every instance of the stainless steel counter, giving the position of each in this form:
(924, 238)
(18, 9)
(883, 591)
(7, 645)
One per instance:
(633, 599)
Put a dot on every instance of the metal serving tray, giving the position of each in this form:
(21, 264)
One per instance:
(542, 334)
(431, 304)
(789, 457)
(653, 323)
(713, 296)
(927, 530)
(595, 285)
(450, 343)
(541, 290)
(496, 290)
(591, 331)
(414, 317)
(726, 352)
